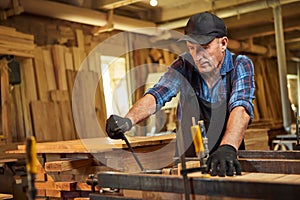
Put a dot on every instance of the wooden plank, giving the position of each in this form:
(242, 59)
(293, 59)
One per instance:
(59, 95)
(66, 186)
(252, 185)
(80, 40)
(29, 78)
(285, 166)
(9, 51)
(40, 193)
(40, 75)
(62, 194)
(67, 164)
(58, 53)
(79, 175)
(45, 185)
(69, 61)
(257, 139)
(16, 45)
(84, 112)
(49, 69)
(11, 32)
(5, 101)
(46, 122)
(71, 76)
(19, 115)
(8, 147)
(66, 120)
(98, 144)
(269, 154)
(17, 40)
(76, 58)
(6, 196)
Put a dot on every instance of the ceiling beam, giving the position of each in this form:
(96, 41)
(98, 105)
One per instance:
(236, 11)
(85, 16)
(188, 8)
(113, 4)
(264, 30)
(261, 16)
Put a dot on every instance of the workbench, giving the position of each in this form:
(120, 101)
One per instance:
(266, 175)
(65, 166)
(61, 173)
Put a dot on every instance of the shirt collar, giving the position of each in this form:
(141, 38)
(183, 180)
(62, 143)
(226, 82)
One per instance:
(227, 63)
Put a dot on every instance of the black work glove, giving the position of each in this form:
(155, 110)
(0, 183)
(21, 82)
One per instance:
(224, 160)
(116, 126)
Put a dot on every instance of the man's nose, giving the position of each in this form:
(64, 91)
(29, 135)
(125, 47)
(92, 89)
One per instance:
(200, 52)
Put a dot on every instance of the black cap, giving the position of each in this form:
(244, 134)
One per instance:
(203, 28)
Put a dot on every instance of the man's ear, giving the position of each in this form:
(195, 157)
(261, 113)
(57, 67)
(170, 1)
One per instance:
(224, 43)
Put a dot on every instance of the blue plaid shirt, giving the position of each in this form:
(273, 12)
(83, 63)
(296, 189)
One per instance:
(182, 76)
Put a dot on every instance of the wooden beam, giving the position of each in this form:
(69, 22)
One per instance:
(263, 30)
(67, 164)
(5, 101)
(250, 185)
(112, 4)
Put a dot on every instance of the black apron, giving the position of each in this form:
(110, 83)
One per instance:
(215, 116)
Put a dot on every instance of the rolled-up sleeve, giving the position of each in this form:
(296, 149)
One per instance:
(167, 87)
(243, 85)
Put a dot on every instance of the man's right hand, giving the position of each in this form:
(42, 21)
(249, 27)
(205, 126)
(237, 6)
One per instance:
(116, 126)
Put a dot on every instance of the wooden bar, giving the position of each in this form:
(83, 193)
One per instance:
(250, 185)
(67, 164)
(286, 166)
(5, 101)
(269, 154)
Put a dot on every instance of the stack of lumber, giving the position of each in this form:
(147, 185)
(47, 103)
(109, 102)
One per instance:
(41, 104)
(64, 166)
(268, 97)
(16, 43)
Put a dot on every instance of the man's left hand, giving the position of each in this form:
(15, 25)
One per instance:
(224, 161)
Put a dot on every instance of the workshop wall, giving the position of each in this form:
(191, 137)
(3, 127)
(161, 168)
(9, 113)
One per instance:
(41, 104)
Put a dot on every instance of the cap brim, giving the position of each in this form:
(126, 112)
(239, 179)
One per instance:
(198, 39)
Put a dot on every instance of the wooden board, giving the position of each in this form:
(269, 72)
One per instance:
(249, 185)
(5, 102)
(49, 68)
(66, 120)
(59, 66)
(257, 139)
(67, 164)
(28, 92)
(96, 144)
(17, 112)
(40, 74)
(45, 116)
(6, 196)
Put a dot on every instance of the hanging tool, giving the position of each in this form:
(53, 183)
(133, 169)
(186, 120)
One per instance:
(31, 166)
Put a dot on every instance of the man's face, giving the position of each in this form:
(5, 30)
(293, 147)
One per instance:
(208, 57)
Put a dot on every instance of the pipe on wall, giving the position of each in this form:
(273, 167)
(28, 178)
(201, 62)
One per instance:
(282, 68)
